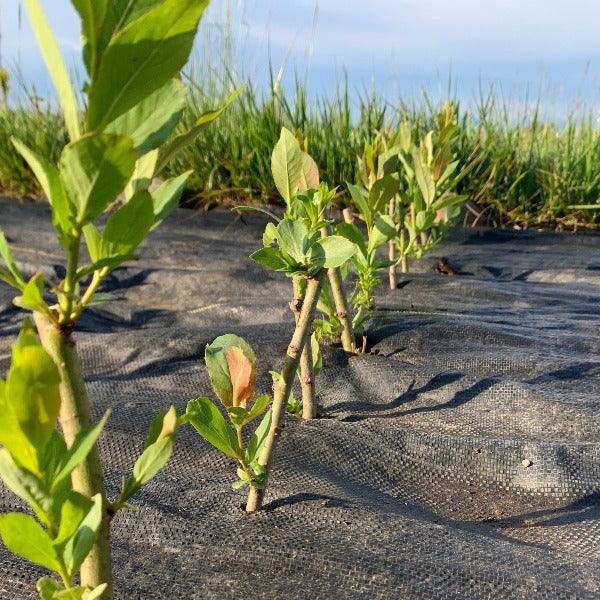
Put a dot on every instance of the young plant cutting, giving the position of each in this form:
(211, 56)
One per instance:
(133, 54)
(307, 201)
(427, 205)
(371, 201)
(231, 366)
(296, 247)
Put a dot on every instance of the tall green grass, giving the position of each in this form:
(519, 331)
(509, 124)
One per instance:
(530, 172)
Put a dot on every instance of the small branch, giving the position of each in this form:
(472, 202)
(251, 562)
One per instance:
(284, 385)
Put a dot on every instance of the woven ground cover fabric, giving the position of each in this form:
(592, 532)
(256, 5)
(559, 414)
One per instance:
(412, 484)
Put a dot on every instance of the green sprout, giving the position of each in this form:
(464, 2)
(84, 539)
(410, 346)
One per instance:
(427, 205)
(231, 366)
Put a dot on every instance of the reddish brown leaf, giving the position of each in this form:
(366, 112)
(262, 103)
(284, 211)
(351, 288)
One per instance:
(243, 376)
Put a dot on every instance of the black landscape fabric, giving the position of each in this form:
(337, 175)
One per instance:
(459, 458)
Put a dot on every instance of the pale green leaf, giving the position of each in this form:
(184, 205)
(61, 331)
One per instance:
(258, 438)
(332, 252)
(166, 197)
(384, 230)
(150, 122)
(6, 254)
(95, 170)
(173, 147)
(23, 483)
(424, 179)
(151, 461)
(79, 545)
(26, 538)
(32, 295)
(143, 57)
(287, 165)
(144, 170)
(127, 227)
(49, 178)
(81, 447)
(56, 67)
(293, 239)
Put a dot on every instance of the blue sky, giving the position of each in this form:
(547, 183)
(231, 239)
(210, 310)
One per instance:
(549, 47)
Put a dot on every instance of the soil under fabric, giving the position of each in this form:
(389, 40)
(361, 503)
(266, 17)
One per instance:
(414, 486)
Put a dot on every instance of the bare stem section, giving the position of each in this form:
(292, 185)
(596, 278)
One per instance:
(284, 385)
(307, 373)
(392, 249)
(307, 383)
(341, 304)
(88, 478)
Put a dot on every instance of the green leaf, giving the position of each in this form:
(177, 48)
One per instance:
(352, 232)
(151, 461)
(207, 420)
(26, 538)
(384, 230)
(309, 179)
(215, 357)
(9, 261)
(425, 220)
(32, 295)
(360, 199)
(81, 447)
(150, 122)
(382, 192)
(48, 587)
(332, 252)
(165, 198)
(293, 239)
(56, 67)
(127, 227)
(164, 425)
(270, 234)
(70, 594)
(93, 241)
(92, 14)
(52, 458)
(424, 179)
(270, 258)
(24, 484)
(142, 58)
(258, 408)
(49, 178)
(317, 355)
(97, 592)
(81, 542)
(287, 165)
(258, 209)
(73, 510)
(143, 173)
(95, 170)
(258, 438)
(178, 143)
(32, 394)
(121, 13)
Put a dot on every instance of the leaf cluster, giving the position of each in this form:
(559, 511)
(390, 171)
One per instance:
(231, 366)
